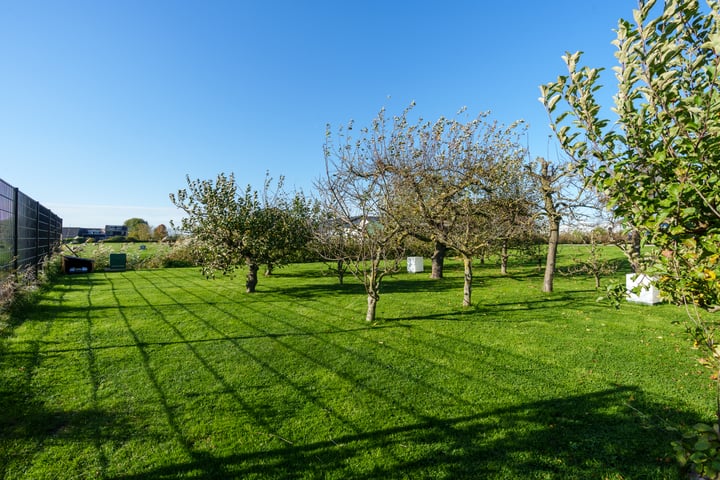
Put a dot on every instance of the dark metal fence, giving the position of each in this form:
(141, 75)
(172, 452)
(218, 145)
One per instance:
(28, 231)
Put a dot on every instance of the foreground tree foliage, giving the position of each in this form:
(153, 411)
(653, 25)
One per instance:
(231, 227)
(659, 164)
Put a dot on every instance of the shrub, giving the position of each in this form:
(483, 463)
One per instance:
(116, 239)
(699, 450)
(18, 290)
(179, 255)
(101, 255)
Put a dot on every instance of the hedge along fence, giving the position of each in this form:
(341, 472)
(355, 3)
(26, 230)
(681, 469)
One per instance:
(29, 231)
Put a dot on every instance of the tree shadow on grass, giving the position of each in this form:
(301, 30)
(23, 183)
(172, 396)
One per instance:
(389, 285)
(312, 291)
(613, 433)
(424, 285)
(27, 424)
(503, 311)
(54, 348)
(597, 435)
(562, 300)
(68, 281)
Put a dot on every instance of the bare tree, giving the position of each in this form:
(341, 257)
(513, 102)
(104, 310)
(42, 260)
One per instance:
(431, 180)
(360, 232)
(513, 208)
(444, 175)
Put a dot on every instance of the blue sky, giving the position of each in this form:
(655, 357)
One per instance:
(106, 106)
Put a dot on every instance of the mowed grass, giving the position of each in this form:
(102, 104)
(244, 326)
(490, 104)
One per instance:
(164, 374)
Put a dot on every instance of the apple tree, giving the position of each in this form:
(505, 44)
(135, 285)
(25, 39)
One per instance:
(231, 227)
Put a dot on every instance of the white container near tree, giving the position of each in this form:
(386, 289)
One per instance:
(648, 293)
(415, 264)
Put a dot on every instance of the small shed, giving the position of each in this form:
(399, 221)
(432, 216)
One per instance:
(77, 264)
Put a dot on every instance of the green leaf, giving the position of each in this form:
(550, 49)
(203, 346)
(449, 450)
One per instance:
(702, 427)
(698, 457)
(702, 444)
(552, 101)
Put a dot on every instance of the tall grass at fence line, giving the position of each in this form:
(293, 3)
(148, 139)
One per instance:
(19, 290)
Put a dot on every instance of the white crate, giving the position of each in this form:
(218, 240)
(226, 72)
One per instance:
(649, 294)
(414, 264)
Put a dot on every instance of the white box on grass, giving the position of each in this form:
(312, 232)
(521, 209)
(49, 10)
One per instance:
(649, 294)
(414, 264)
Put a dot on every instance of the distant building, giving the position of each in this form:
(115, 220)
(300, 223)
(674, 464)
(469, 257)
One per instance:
(95, 233)
(116, 231)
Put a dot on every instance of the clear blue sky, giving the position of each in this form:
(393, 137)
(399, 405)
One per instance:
(105, 106)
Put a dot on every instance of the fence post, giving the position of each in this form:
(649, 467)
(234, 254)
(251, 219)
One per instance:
(16, 228)
(37, 237)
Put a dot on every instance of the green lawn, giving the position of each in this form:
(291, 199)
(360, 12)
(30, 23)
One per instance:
(163, 374)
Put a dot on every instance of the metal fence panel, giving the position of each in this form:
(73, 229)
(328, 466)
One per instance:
(7, 226)
(28, 230)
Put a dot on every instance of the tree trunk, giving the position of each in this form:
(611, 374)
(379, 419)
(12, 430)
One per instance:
(467, 288)
(372, 287)
(341, 271)
(438, 260)
(551, 256)
(635, 251)
(504, 258)
(252, 278)
(547, 178)
(269, 270)
(372, 306)
(597, 281)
